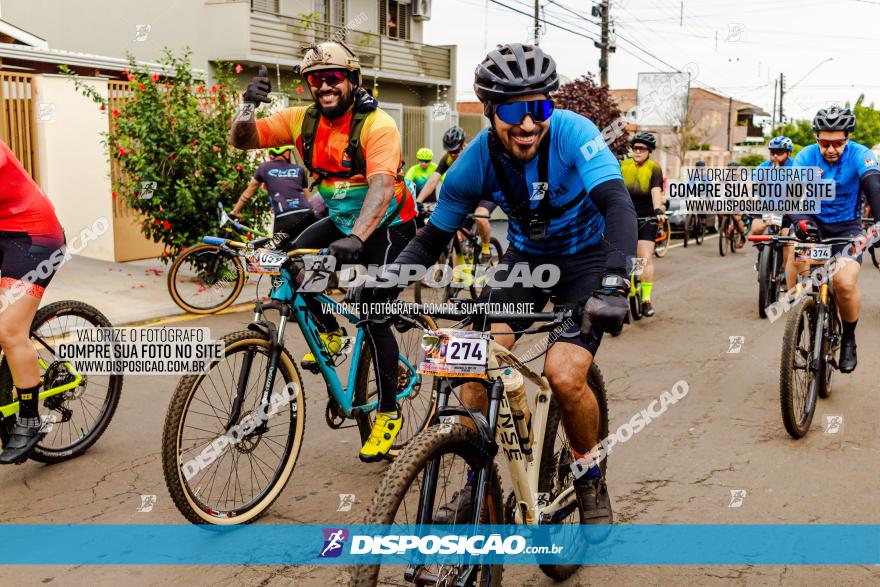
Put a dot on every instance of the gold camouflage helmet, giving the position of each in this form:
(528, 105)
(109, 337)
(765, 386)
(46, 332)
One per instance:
(330, 55)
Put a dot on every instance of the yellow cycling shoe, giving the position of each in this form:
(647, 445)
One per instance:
(385, 430)
(332, 343)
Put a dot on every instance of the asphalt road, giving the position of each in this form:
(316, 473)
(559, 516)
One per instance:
(726, 435)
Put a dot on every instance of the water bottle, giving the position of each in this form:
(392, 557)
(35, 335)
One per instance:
(515, 388)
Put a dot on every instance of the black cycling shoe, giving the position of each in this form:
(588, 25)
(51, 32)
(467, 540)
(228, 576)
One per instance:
(848, 358)
(647, 308)
(458, 510)
(22, 441)
(595, 504)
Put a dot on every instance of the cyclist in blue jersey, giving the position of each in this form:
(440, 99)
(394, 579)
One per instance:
(854, 169)
(780, 156)
(561, 187)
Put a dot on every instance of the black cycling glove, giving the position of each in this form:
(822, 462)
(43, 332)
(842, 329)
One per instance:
(258, 90)
(347, 249)
(607, 307)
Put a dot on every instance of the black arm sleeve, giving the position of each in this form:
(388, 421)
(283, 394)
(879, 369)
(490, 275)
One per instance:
(870, 184)
(613, 201)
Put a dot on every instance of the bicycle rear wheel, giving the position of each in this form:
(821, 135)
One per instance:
(454, 448)
(766, 267)
(724, 235)
(436, 287)
(77, 417)
(418, 407)
(699, 229)
(225, 472)
(798, 384)
(556, 474)
(635, 299)
(205, 279)
(830, 347)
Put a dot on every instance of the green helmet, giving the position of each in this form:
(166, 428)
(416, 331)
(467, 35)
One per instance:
(275, 151)
(425, 154)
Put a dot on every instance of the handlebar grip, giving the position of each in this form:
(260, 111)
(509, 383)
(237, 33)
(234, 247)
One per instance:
(758, 238)
(214, 240)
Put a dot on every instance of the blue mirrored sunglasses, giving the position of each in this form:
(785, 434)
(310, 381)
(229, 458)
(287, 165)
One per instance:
(515, 112)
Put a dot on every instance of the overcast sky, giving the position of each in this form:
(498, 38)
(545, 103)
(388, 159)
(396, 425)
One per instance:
(756, 40)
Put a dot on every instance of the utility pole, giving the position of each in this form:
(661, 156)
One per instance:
(781, 93)
(537, 23)
(773, 116)
(729, 120)
(602, 10)
(681, 15)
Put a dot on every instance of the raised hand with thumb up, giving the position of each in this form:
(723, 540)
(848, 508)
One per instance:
(258, 90)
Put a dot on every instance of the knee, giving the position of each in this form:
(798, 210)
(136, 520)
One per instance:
(845, 287)
(11, 335)
(565, 381)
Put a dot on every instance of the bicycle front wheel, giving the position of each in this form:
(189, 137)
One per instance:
(224, 465)
(724, 235)
(766, 267)
(661, 247)
(449, 450)
(77, 418)
(205, 279)
(483, 270)
(418, 407)
(798, 384)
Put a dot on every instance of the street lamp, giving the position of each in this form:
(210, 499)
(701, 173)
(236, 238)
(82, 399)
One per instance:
(824, 61)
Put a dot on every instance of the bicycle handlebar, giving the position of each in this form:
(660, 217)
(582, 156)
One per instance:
(757, 238)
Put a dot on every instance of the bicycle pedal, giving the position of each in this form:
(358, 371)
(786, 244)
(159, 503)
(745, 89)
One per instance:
(310, 366)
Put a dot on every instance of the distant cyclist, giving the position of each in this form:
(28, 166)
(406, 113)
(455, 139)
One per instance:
(853, 167)
(564, 209)
(455, 141)
(780, 156)
(286, 182)
(419, 174)
(29, 235)
(644, 180)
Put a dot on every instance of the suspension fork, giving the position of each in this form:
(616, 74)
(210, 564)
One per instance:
(496, 393)
(822, 301)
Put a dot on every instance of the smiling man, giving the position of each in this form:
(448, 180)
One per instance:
(568, 206)
(353, 149)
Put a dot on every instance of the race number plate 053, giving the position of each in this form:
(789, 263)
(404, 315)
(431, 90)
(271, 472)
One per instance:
(266, 263)
(454, 353)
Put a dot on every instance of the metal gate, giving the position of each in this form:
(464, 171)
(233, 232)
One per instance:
(414, 131)
(18, 120)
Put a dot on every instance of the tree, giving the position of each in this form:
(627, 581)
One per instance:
(686, 137)
(799, 131)
(751, 160)
(170, 138)
(588, 99)
(867, 123)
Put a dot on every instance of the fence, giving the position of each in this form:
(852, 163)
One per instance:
(18, 119)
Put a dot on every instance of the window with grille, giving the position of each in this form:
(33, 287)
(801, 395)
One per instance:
(265, 6)
(394, 19)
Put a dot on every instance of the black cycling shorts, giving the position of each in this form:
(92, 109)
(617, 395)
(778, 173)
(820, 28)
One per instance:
(27, 262)
(580, 276)
(648, 230)
(291, 224)
(488, 205)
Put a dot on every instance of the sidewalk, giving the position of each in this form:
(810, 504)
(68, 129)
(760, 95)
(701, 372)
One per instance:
(124, 292)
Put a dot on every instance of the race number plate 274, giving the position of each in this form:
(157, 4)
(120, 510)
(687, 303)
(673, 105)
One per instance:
(454, 353)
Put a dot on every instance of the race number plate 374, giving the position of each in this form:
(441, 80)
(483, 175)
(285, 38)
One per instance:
(454, 353)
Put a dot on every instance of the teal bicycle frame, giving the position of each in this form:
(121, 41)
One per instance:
(286, 300)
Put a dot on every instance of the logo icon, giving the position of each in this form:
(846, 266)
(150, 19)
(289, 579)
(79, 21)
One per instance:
(735, 31)
(141, 32)
(148, 188)
(736, 343)
(346, 500)
(638, 265)
(440, 111)
(46, 112)
(147, 503)
(833, 424)
(539, 190)
(341, 190)
(737, 497)
(334, 540)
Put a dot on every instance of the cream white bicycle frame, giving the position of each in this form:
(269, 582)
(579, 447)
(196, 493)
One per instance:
(524, 473)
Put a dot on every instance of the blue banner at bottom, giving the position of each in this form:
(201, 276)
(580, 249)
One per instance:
(371, 544)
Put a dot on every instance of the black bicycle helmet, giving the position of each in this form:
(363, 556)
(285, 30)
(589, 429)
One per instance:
(514, 70)
(646, 139)
(834, 118)
(733, 163)
(807, 231)
(454, 138)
